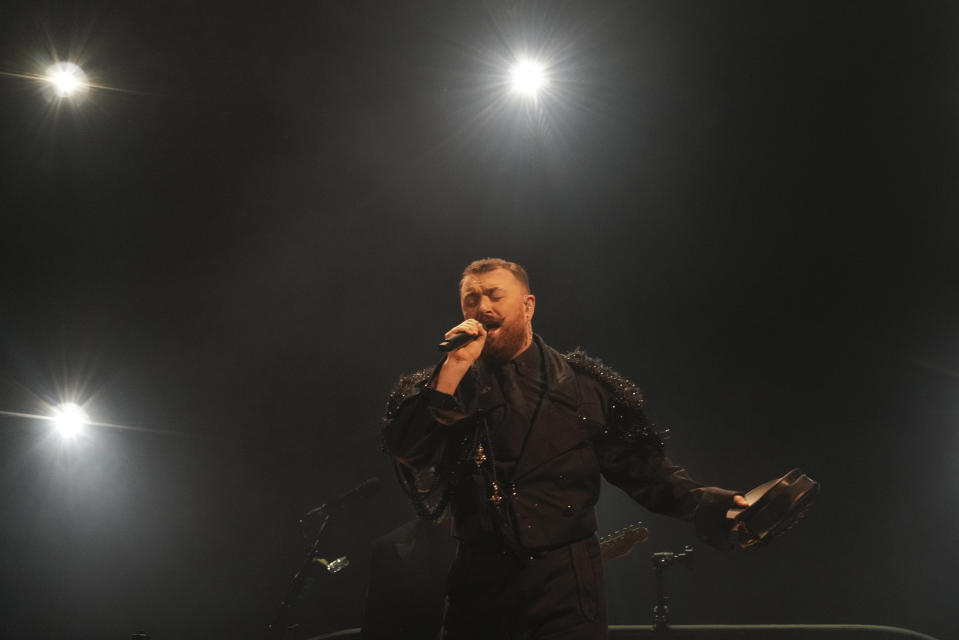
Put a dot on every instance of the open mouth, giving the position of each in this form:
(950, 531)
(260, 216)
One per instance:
(492, 328)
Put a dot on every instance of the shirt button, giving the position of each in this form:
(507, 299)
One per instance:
(530, 525)
(569, 510)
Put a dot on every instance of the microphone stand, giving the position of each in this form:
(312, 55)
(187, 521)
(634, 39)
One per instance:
(304, 579)
(661, 560)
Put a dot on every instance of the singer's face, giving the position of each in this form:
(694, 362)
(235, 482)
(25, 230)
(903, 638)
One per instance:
(502, 303)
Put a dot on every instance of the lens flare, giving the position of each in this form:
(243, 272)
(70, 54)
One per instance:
(67, 79)
(529, 77)
(69, 419)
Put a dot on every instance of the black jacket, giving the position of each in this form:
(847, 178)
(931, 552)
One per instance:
(591, 422)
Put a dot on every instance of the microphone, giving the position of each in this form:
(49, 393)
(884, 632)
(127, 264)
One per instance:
(456, 341)
(367, 486)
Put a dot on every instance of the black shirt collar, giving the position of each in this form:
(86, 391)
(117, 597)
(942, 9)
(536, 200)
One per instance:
(528, 363)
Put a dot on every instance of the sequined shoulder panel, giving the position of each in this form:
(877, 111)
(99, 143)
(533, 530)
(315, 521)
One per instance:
(406, 386)
(619, 386)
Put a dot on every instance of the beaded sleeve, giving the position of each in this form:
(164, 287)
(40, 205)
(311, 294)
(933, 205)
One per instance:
(631, 454)
(431, 469)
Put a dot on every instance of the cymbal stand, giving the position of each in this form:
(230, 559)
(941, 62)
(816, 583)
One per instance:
(304, 579)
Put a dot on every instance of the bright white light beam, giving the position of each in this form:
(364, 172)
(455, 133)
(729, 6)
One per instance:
(67, 79)
(69, 419)
(528, 77)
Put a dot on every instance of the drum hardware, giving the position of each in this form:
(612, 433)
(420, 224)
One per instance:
(312, 527)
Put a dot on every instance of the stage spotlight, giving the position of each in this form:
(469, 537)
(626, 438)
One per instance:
(69, 419)
(528, 77)
(66, 79)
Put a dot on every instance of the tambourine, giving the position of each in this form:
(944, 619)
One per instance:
(774, 508)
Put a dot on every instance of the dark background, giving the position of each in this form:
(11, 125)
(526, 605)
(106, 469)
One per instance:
(747, 207)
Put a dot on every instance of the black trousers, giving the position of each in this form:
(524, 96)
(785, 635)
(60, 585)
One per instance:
(556, 595)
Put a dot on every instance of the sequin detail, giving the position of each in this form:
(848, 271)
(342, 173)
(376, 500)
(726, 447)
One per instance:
(480, 456)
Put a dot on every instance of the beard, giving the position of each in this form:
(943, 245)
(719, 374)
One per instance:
(506, 342)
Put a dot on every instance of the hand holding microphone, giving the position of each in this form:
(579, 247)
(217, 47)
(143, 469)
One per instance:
(457, 337)
(463, 344)
(465, 341)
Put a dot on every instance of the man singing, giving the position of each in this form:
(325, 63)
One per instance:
(513, 437)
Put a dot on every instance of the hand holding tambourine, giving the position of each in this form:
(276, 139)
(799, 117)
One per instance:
(774, 508)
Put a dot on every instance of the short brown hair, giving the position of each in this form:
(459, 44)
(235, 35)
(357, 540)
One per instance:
(486, 265)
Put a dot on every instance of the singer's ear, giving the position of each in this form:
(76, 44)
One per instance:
(530, 304)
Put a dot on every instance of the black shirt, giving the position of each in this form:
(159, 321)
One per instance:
(508, 434)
